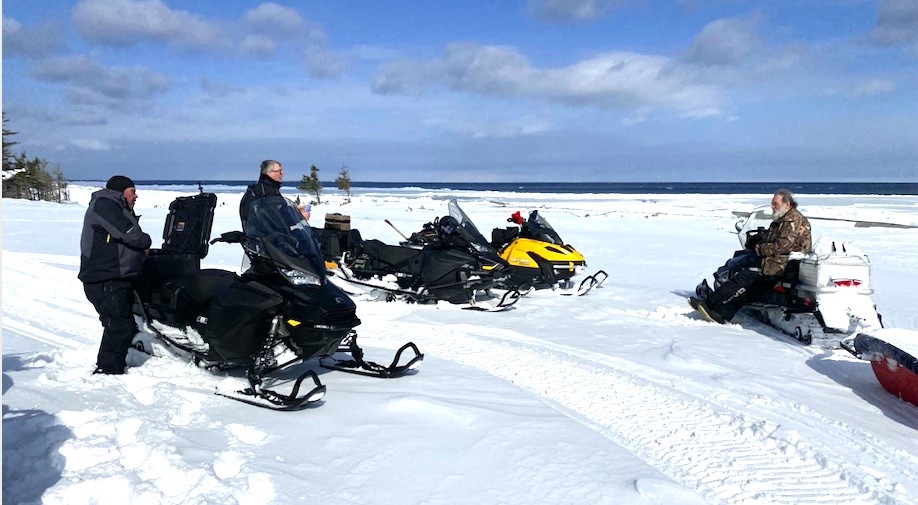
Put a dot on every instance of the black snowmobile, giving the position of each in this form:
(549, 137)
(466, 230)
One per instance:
(447, 260)
(281, 312)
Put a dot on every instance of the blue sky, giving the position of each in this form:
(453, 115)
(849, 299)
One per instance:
(537, 90)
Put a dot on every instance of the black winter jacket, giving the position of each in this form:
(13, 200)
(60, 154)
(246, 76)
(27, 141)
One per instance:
(265, 186)
(112, 245)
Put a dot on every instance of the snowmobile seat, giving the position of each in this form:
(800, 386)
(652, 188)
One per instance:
(389, 255)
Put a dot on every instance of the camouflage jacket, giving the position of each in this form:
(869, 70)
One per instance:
(789, 234)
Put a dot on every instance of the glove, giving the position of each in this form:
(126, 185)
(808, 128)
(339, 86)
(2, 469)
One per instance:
(754, 238)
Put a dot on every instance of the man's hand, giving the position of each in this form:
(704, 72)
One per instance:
(754, 237)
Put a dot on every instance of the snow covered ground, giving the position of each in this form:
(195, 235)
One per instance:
(623, 396)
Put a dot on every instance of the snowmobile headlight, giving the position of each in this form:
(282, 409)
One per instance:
(300, 278)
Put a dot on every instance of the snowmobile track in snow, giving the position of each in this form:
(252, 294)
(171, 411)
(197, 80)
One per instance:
(723, 453)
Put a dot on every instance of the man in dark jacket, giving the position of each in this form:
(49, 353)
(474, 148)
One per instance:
(789, 232)
(268, 184)
(112, 251)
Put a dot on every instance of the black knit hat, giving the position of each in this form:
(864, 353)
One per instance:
(119, 183)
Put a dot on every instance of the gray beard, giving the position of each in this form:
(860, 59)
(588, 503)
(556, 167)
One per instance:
(778, 215)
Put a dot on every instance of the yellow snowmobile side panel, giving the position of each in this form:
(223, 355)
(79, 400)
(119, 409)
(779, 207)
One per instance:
(517, 254)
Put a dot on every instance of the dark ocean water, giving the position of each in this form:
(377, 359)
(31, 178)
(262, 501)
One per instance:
(710, 188)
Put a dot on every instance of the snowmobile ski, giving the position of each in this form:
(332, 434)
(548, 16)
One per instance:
(588, 283)
(260, 396)
(359, 366)
(257, 375)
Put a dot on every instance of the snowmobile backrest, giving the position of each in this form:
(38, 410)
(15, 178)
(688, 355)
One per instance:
(427, 235)
(187, 229)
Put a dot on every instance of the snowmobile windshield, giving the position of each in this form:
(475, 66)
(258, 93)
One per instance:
(539, 228)
(289, 240)
(759, 218)
(470, 233)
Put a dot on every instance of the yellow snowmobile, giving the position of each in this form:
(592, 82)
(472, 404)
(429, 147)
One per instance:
(538, 258)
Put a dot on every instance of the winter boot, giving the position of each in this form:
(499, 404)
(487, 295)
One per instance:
(706, 312)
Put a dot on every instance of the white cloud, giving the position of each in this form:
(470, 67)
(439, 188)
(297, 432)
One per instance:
(494, 129)
(30, 41)
(259, 47)
(875, 87)
(274, 19)
(90, 83)
(897, 22)
(569, 10)
(128, 22)
(727, 42)
(323, 63)
(618, 80)
(91, 144)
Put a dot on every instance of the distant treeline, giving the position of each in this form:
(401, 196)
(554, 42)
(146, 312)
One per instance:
(31, 179)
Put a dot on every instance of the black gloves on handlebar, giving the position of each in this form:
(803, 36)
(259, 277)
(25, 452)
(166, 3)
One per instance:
(754, 237)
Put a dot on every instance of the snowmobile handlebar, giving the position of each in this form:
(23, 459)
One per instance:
(396, 229)
(230, 237)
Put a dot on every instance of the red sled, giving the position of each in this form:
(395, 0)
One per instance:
(893, 359)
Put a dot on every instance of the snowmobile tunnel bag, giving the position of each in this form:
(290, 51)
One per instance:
(502, 236)
(336, 221)
(334, 243)
(240, 319)
(187, 229)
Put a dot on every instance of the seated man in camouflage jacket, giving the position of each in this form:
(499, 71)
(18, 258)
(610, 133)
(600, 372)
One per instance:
(789, 232)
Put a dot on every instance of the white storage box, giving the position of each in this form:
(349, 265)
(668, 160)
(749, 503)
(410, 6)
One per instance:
(835, 265)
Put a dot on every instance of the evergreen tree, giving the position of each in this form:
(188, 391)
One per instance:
(310, 183)
(344, 181)
(29, 178)
(7, 144)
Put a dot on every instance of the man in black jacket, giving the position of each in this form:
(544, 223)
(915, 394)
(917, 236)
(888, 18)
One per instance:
(268, 184)
(112, 251)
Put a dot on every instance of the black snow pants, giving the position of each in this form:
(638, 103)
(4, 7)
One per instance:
(746, 286)
(113, 300)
